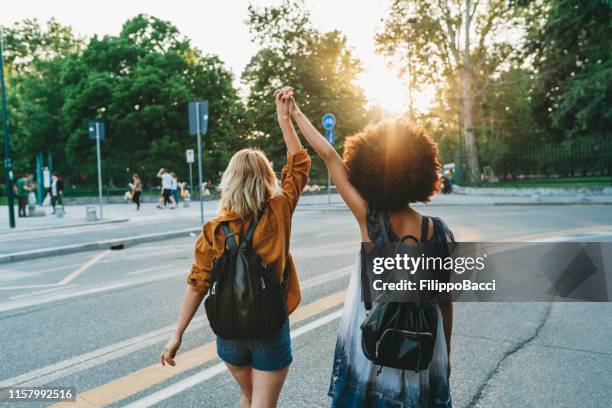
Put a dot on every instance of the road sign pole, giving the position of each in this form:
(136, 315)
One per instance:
(99, 168)
(8, 162)
(328, 190)
(39, 180)
(328, 122)
(197, 107)
(191, 176)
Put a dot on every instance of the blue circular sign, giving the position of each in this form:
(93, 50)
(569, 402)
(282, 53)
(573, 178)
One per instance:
(329, 121)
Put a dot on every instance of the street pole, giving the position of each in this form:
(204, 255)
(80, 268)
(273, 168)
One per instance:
(8, 163)
(197, 106)
(99, 168)
(190, 176)
(39, 179)
(328, 190)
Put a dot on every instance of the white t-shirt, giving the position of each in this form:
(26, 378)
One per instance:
(167, 181)
(174, 184)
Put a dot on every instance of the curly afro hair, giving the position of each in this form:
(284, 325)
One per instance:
(393, 164)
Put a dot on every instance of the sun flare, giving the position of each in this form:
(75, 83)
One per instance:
(383, 87)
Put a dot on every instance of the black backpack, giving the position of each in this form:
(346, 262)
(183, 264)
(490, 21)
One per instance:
(399, 335)
(245, 300)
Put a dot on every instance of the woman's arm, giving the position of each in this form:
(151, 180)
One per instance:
(292, 141)
(191, 302)
(332, 160)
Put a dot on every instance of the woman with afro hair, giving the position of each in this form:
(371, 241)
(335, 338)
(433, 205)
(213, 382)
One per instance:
(384, 169)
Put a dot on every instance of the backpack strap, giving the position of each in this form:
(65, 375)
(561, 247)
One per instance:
(286, 274)
(383, 226)
(380, 218)
(248, 238)
(230, 241)
(424, 228)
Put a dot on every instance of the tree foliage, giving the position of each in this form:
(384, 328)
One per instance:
(138, 83)
(571, 44)
(320, 66)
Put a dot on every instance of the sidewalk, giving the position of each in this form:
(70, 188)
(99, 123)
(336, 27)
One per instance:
(75, 216)
(121, 213)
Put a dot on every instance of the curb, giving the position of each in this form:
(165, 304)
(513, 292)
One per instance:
(93, 246)
(82, 224)
(556, 203)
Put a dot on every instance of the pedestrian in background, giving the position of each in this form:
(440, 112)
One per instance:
(57, 190)
(136, 190)
(175, 193)
(22, 190)
(166, 189)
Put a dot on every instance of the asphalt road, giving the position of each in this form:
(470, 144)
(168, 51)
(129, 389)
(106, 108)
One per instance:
(97, 321)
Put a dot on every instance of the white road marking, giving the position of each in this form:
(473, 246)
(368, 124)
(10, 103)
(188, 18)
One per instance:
(154, 268)
(84, 267)
(99, 289)
(44, 291)
(219, 368)
(69, 278)
(61, 369)
(97, 357)
(327, 277)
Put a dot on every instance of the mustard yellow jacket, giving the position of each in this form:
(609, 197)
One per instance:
(272, 236)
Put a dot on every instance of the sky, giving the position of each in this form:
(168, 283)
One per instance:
(218, 27)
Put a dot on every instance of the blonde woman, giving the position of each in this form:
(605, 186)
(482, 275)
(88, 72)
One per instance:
(248, 185)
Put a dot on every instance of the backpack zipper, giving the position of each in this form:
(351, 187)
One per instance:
(406, 332)
(263, 283)
(212, 291)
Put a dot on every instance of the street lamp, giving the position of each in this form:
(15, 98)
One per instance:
(8, 163)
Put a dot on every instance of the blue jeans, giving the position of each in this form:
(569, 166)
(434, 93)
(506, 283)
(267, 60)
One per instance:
(269, 354)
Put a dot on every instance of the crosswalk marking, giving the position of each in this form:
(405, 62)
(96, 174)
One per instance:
(144, 378)
(219, 368)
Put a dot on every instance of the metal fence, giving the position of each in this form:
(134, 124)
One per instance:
(572, 162)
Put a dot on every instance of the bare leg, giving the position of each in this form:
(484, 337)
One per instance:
(267, 386)
(242, 375)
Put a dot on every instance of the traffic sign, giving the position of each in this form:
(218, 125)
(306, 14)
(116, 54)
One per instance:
(199, 108)
(190, 155)
(329, 121)
(330, 135)
(93, 129)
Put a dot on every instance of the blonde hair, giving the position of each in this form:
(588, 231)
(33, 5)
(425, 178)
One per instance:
(247, 183)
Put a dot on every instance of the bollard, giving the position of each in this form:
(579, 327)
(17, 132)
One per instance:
(186, 201)
(92, 214)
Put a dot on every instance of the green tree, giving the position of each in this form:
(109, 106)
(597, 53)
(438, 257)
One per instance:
(570, 46)
(33, 63)
(320, 66)
(457, 44)
(139, 84)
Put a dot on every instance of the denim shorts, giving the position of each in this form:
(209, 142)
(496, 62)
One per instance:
(269, 354)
